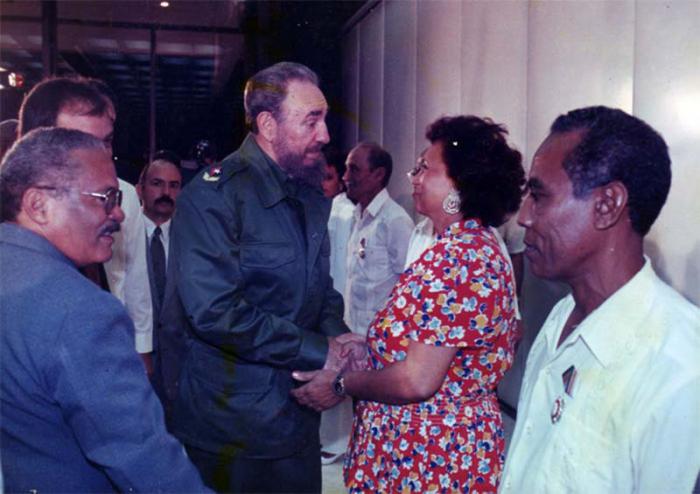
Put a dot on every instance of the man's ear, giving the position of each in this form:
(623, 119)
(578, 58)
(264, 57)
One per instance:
(380, 174)
(610, 205)
(139, 190)
(267, 125)
(36, 206)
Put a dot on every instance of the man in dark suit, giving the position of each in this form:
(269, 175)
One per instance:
(158, 187)
(78, 413)
(251, 254)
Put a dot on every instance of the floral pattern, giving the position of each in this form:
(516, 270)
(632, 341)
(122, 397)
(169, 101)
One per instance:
(459, 293)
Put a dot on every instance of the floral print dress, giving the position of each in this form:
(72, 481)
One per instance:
(459, 293)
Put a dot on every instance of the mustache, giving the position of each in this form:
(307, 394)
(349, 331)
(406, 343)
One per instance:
(111, 227)
(165, 200)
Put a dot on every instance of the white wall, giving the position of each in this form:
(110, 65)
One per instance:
(522, 63)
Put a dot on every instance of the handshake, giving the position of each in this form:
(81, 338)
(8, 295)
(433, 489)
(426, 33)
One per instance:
(347, 352)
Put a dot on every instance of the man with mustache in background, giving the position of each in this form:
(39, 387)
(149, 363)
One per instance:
(78, 414)
(159, 185)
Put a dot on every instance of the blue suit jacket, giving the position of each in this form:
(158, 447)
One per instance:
(78, 413)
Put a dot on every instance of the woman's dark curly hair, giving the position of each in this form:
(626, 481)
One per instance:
(487, 172)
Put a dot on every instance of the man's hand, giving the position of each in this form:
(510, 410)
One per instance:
(354, 351)
(346, 352)
(317, 393)
(335, 360)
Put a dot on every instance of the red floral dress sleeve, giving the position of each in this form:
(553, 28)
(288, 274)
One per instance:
(453, 299)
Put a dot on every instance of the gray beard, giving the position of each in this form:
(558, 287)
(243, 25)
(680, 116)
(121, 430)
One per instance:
(294, 167)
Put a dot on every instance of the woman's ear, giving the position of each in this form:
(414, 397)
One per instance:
(610, 205)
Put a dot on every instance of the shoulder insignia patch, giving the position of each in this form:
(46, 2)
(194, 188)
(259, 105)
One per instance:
(213, 174)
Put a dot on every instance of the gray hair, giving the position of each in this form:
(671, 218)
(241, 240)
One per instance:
(266, 90)
(43, 157)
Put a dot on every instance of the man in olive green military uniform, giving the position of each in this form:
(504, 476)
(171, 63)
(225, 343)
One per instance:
(251, 254)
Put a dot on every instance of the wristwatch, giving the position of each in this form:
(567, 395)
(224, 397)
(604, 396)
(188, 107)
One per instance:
(339, 385)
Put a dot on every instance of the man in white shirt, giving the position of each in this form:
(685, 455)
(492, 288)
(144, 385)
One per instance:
(87, 105)
(379, 237)
(611, 392)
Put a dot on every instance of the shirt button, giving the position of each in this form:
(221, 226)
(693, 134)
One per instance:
(528, 428)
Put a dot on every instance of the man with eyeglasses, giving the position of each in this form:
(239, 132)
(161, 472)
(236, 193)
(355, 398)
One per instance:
(87, 105)
(78, 413)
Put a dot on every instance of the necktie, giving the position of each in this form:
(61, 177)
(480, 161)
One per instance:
(158, 264)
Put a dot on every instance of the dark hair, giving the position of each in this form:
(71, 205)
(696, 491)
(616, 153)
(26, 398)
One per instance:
(266, 90)
(335, 158)
(487, 172)
(616, 146)
(42, 157)
(42, 105)
(104, 90)
(378, 157)
(161, 155)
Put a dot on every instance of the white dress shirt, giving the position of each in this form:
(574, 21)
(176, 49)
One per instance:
(336, 422)
(339, 227)
(127, 271)
(375, 258)
(631, 419)
(164, 234)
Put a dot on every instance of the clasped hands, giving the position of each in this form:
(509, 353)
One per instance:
(347, 352)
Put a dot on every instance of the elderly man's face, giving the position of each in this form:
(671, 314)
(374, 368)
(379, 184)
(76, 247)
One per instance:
(559, 232)
(80, 226)
(301, 130)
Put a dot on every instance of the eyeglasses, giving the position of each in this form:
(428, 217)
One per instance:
(421, 166)
(110, 199)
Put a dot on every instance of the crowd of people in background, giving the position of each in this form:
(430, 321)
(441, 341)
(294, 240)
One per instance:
(232, 325)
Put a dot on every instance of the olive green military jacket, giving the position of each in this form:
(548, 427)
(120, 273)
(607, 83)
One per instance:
(251, 254)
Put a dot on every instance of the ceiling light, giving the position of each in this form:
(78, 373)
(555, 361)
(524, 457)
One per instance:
(165, 4)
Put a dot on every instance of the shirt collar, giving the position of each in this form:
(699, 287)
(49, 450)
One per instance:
(610, 329)
(271, 187)
(460, 226)
(375, 204)
(151, 226)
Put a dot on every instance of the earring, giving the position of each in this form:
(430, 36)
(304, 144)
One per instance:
(451, 203)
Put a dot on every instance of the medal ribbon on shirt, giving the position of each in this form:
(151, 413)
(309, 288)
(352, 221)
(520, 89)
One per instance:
(362, 253)
(568, 378)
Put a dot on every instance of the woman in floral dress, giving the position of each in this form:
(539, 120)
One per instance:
(427, 418)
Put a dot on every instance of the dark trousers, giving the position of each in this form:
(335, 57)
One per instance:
(224, 472)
